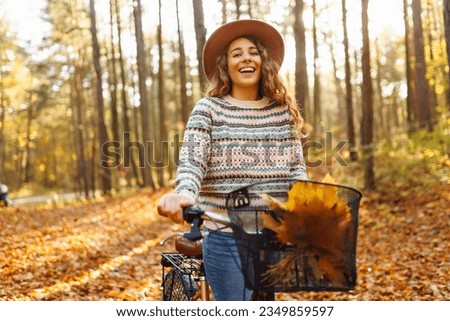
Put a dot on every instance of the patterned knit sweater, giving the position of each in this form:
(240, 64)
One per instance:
(229, 143)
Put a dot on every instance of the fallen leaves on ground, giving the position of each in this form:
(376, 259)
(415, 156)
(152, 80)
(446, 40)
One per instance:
(108, 250)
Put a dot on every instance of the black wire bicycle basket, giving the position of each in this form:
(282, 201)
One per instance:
(296, 235)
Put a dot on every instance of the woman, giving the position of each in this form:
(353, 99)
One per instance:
(245, 130)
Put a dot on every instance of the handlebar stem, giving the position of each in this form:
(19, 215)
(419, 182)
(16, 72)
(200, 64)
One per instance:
(193, 215)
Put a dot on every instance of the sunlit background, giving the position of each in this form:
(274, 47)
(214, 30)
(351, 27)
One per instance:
(42, 54)
(386, 17)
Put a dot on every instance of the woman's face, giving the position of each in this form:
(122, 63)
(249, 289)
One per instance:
(244, 65)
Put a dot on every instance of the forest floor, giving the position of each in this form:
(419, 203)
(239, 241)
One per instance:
(109, 249)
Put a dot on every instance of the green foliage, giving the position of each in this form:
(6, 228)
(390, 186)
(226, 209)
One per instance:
(412, 164)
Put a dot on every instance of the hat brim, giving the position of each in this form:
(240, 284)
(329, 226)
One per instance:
(230, 31)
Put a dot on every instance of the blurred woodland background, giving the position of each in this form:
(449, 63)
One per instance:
(99, 102)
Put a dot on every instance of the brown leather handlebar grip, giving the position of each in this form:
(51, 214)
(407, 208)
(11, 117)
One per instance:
(188, 247)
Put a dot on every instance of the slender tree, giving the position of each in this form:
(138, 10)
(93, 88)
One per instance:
(113, 77)
(104, 172)
(337, 81)
(367, 116)
(224, 11)
(447, 41)
(144, 102)
(410, 101)
(3, 101)
(420, 66)
(26, 156)
(182, 66)
(78, 114)
(200, 35)
(348, 88)
(432, 54)
(382, 125)
(317, 90)
(301, 73)
(238, 9)
(163, 147)
(124, 98)
(249, 7)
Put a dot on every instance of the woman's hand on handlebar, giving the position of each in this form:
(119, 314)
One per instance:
(171, 206)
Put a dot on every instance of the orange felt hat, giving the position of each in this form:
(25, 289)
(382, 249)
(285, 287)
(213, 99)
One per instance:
(230, 31)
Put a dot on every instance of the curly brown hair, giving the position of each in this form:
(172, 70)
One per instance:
(270, 84)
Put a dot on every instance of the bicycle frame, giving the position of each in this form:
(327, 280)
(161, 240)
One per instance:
(204, 293)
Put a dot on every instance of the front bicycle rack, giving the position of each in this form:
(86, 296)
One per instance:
(180, 283)
(185, 264)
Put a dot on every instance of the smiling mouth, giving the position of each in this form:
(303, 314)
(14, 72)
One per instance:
(247, 70)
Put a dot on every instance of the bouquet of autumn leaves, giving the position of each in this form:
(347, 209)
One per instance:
(317, 224)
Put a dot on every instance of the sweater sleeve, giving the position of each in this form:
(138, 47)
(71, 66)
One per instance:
(195, 151)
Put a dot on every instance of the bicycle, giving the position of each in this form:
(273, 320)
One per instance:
(314, 268)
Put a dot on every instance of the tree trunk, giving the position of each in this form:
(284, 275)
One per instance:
(337, 82)
(382, 127)
(447, 42)
(250, 11)
(410, 101)
(2, 122)
(104, 171)
(422, 86)
(224, 11)
(162, 147)
(301, 73)
(113, 78)
(144, 106)
(125, 108)
(316, 95)
(93, 169)
(367, 116)
(357, 89)
(394, 107)
(183, 81)
(432, 57)
(26, 157)
(79, 125)
(348, 89)
(238, 9)
(200, 35)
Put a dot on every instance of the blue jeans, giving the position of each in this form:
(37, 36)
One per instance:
(223, 267)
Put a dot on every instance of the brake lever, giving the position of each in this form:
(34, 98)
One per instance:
(168, 237)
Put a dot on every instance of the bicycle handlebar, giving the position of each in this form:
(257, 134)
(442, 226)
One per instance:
(195, 215)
